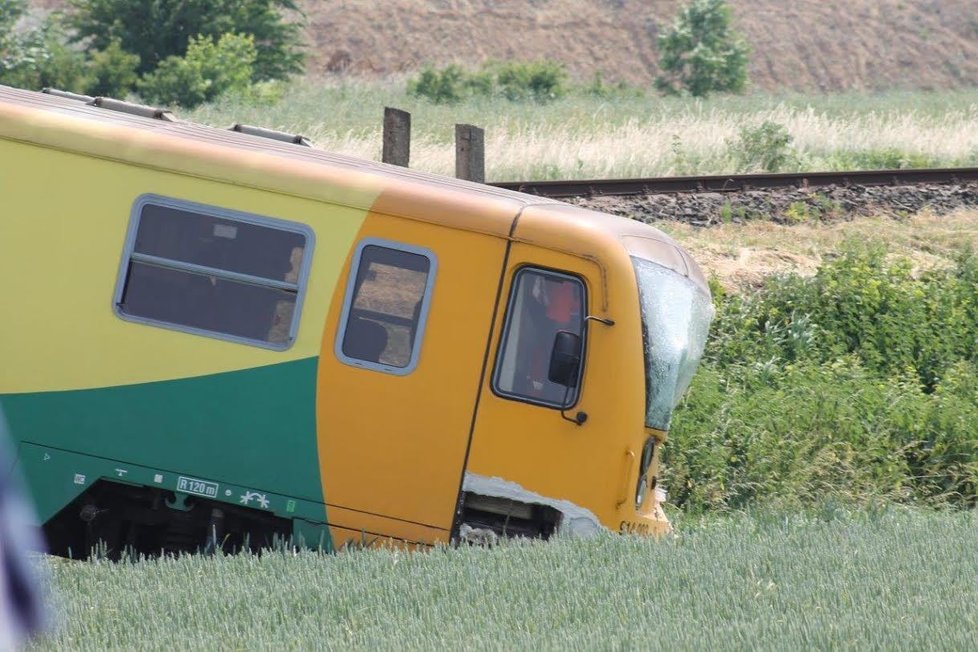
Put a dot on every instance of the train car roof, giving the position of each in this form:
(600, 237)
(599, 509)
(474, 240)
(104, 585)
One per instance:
(71, 124)
(132, 135)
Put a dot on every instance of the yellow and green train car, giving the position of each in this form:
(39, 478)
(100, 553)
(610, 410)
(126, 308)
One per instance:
(214, 338)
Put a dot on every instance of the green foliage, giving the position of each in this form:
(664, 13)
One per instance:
(857, 383)
(112, 71)
(445, 86)
(766, 147)
(156, 30)
(40, 57)
(862, 304)
(700, 54)
(540, 81)
(11, 12)
(208, 70)
(796, 434)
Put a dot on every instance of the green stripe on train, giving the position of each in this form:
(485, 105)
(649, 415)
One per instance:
(254, 428)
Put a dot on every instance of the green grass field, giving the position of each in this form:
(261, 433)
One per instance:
(885, 579)
(637, 133)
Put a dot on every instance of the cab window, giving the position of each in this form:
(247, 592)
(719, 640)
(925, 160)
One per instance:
(541, 304)
(386, 306)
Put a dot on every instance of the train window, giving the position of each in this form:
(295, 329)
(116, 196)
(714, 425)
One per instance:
(541, 303)
(386, 306)
(214, 272)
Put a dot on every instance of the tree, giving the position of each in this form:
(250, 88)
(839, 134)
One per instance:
(155, 30)
(209, 69)
(700, 54)
(112, 71)
(38, 57)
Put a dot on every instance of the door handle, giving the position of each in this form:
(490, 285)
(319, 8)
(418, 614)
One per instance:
(629, 463)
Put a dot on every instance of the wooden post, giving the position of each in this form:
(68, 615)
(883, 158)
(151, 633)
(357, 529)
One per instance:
(470, 153)
(397, 137)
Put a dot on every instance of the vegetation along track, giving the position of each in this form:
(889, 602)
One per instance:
(785, 198)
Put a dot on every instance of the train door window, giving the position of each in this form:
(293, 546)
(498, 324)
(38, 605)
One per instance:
(214, 272)
(541, 304)
(386, 306)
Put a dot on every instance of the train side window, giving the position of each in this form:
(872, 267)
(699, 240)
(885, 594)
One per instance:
(386, 306)
(214, 272)
(541, 303)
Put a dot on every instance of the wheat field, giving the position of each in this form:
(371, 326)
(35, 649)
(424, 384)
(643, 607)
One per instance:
(829, 579)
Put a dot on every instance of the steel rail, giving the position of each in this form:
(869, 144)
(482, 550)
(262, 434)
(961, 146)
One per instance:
(740, 182)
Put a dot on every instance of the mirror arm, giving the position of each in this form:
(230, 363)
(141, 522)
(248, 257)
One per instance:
(602, 320)
(578, 418)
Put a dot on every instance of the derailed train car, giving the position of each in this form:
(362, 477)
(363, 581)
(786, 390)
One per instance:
(214, 338)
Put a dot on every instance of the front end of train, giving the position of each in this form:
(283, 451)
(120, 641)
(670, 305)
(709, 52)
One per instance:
(624, 354)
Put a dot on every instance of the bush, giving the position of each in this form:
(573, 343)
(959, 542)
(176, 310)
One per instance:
(516, 81)
(862, 304)
(156, 31)
(764, 148)
(209, 70)
(445, 86)
(858, 383)
(700, 54)
(799, 434)
(541, 81)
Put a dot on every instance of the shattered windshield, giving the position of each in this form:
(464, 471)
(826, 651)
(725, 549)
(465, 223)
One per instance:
(676, 316)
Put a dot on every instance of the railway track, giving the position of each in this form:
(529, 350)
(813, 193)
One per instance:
(741, 182)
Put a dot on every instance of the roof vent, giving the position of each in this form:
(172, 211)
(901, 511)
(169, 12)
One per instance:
(115, 105)
(133, 109)
(65, 94)
(273, 134)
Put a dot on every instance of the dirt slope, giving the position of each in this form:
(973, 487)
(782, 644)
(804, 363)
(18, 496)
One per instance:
(827, 45)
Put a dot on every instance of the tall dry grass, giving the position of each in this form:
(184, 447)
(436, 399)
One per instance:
(633, 134)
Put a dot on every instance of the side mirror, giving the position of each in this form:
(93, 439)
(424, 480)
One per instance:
(565, 359)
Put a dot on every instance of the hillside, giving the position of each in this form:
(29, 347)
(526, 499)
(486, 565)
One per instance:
(832, 45)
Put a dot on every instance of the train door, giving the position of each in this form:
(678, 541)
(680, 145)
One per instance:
(402, 356)
(535, 440)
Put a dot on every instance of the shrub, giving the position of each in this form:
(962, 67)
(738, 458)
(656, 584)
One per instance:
(156, 31)
(766, 147)
(863, 304)
(541, 81)
(799, 434)
(209, 70)
(445, 86)
(700, 54)
(859, 383)
(517, 81)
